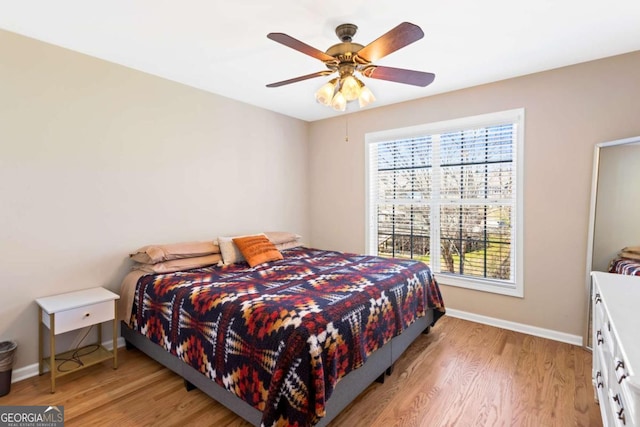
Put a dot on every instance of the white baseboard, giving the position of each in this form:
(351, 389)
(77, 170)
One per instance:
(32, 370)
(518, 327)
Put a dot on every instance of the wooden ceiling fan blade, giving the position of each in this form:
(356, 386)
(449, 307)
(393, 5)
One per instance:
(301, 78)
(399, 75)
(300, 46)
(399, 37)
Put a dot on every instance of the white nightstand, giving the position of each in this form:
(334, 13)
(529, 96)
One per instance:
(70, 311)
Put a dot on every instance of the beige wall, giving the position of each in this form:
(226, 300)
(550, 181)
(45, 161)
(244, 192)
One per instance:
(97, 160)
(618, 203)
(567, 112)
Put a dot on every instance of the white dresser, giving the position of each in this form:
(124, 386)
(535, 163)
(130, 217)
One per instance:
(616, 347)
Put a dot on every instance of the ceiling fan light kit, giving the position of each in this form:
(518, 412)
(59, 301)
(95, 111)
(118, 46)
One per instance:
(366, 97)
(347, 58)
(338, 92)
(339, 102)
(324, 95)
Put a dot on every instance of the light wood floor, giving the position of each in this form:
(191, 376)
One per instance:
(461, 374)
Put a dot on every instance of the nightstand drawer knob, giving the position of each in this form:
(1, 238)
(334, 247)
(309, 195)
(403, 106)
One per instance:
(87, 314)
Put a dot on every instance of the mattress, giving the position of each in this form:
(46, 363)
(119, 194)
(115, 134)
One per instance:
(280, 336)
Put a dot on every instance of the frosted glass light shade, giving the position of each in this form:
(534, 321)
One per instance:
(366, 97)
(339, 102)
(324, 95)
(338, 92)
(350, 88)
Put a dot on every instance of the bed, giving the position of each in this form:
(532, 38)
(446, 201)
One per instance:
(627, 262)
(625, 266)
(289, 342)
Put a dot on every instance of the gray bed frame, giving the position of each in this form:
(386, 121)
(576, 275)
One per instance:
(348, 388)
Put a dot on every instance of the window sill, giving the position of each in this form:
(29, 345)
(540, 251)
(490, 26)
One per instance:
(484, 285)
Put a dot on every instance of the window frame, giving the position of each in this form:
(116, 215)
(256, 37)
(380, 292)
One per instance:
(515, 116)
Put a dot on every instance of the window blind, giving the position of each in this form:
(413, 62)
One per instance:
(448, 198)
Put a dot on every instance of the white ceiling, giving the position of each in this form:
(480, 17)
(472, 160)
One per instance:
(221, 46)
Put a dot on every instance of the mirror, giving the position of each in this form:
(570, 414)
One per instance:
(615, 203)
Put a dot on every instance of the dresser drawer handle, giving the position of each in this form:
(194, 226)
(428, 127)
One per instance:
(621, 374)
(622, 417)
(87, 315)
(620, 413)
(599, 337)
(597, 298)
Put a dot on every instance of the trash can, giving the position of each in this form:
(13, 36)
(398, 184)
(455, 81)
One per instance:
(7, 353)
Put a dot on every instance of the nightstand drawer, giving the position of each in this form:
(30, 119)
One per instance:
(81, 317)
(71, 311)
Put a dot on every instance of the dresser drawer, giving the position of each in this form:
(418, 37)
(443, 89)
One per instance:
(618, 411)
(616, 349)
(629, 391)
(633, 392)
(81, 317)
(602, 326)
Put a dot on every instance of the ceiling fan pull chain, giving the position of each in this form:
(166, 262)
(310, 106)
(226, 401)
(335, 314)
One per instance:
(346, 130)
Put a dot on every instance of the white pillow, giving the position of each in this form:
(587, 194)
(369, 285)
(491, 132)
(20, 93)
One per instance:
(279, 237)
(230, 252)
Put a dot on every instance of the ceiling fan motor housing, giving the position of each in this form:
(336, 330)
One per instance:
(345, 32)
(344, 52)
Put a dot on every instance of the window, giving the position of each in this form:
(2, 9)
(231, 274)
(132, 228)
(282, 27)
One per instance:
(450, 194)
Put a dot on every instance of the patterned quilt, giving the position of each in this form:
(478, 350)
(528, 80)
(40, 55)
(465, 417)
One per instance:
(281, 335)
(625, 266)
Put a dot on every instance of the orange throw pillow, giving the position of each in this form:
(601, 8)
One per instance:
(257, 250)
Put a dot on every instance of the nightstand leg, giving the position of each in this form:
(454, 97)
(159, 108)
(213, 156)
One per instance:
(53, 367)
(40, 344)
(115, 336)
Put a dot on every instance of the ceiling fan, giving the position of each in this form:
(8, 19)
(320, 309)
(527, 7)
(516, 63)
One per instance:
(347, 58)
